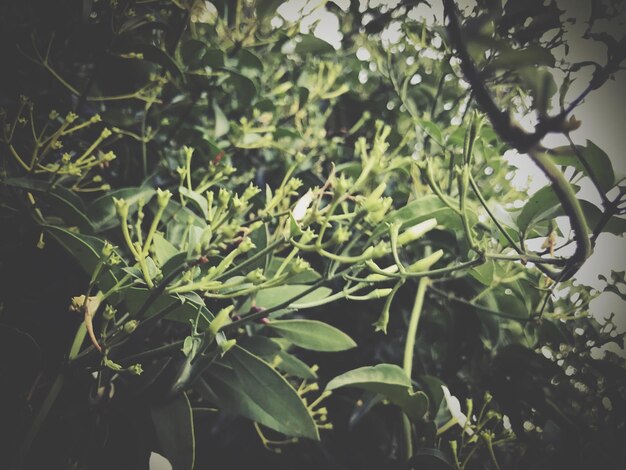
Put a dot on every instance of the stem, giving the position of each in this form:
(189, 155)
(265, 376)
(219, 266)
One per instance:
(407, 363)
(519, 249)
(51, 397)
(572, 208)
(409, 345)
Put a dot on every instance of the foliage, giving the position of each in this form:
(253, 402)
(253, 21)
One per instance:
(245, 221)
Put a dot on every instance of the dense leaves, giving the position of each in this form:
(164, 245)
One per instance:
(239, 241)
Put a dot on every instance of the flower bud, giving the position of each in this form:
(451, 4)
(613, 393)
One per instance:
(425, 263)
(226, 345)
(381, 277)
(250, 192)
(246, 245)
(70, 117)
(341, 235)
(299, 265)
(163, 197)
(130, 326)
(222, 318)
(223, 197)
(256, 276)
(343, 184)
(188, 151)
(109, 313)
(135, 369)
(307, 236)
(416, 231)
(121, 207)
(380, 250)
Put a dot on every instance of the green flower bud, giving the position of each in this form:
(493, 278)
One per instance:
(112, 365)
(107, 250)
(135, 369)
(130, 326)
(226, 345)
(109, 313)
(341, 235)
(238, 203)
(223, 197)
(106, 132)
(256, 276)
(381, 277)
(221, 319)
(163, 197)
(250, 192)
(307, 236)
(246, 245)
(379, 293)
(108, 157)
(416, 231)
(425, 263)
(188, 151)
(70, 118)
(299, 265)
(121, 207)
(381, 249)
(343, 184)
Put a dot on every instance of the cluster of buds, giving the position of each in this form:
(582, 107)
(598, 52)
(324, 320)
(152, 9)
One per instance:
(109, 256)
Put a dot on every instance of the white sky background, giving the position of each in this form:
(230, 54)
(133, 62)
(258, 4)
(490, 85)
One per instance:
(603, 117)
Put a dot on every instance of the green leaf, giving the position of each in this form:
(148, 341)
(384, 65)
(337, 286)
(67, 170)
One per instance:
(484, 273)
(192, 52)
(173, 423)
(291, 365)
(61, 201)
(432, 129)
(273, 296)
(261, 346)
(201, 202)
(102, 213)
(309, 44)
(388, 380)
(430, 459)
(86, 249)
(513, 59)
(222, 125)
(245, 384)
(615, 225)
(312, 334)
(425, 208)
(213, 58)
(163, 249)
(245, 88)
(250, 61)
(595, 163)
(188, 309)
(543, 205)
(160, 57)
